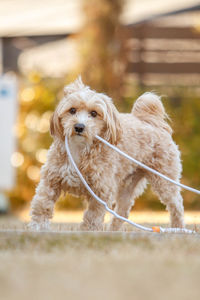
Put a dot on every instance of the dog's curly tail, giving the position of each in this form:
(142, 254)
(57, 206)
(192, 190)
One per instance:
(149, 108)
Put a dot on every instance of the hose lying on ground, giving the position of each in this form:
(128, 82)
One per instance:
(150, 229)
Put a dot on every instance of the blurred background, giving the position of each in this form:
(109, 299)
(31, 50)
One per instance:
(122, 48)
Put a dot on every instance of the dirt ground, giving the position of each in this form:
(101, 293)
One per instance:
(68, 264)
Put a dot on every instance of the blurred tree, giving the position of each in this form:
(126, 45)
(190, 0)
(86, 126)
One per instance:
(37, 99)
(103, 54)
(102, 46)
(184, 107)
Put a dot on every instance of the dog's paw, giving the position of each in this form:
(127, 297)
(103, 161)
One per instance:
(85, 226)
(39, 226)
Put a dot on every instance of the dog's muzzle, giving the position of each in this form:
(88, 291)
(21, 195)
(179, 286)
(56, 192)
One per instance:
(79, 127)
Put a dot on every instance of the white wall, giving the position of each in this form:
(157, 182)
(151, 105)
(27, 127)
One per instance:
(8, 110)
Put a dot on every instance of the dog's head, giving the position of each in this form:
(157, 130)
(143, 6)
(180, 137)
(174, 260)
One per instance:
(85, 113)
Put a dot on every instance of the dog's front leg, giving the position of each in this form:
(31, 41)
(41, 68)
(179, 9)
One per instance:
(93, 217)
(42, 205)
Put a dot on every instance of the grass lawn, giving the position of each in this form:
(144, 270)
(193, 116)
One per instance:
(74, 265)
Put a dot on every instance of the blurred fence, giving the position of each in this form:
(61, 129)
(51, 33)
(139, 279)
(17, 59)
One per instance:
(162, 54)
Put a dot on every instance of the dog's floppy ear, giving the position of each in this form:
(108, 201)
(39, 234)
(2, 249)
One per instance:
(113, 130)
(56, 129)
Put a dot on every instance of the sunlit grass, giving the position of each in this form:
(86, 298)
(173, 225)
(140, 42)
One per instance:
(67, 264)
(158, 217)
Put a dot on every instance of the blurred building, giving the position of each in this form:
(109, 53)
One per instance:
(165, 49)
(164, 38)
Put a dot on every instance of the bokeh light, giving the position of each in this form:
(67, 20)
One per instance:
(43, 125)
(28, 144)
(33, 173)
(27, 94)
(17, 159)
(31, 121)
(41, 155)
(18, 130)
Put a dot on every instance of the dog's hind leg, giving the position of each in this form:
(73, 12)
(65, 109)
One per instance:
(132, 188)
(169, 195)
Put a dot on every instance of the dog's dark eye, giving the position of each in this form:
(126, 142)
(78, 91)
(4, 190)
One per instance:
(93, 113)
(72, 111)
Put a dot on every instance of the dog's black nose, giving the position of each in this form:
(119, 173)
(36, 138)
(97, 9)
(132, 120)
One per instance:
(79, 127)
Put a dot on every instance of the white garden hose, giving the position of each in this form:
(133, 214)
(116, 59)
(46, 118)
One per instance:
(147, 168)
(152, 229)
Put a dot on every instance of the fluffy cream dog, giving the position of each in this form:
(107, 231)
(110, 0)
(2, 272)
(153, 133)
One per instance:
(144, 134)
